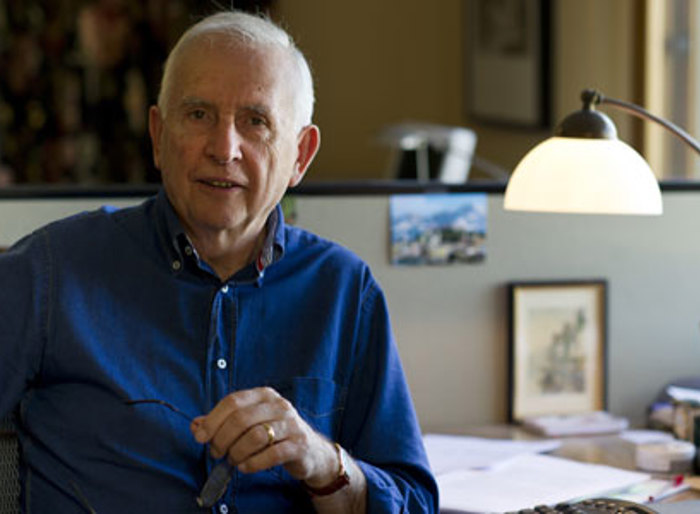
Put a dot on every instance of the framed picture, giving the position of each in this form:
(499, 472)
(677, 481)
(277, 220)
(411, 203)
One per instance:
(508, 71)
(557, 351)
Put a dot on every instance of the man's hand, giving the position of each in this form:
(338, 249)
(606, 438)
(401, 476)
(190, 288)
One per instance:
(237, 428)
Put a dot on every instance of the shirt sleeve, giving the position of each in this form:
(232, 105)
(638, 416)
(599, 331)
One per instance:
(24, 275)
(380, 428)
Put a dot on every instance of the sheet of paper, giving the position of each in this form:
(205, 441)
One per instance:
(448, 453)
(529, 480)
(649, 491)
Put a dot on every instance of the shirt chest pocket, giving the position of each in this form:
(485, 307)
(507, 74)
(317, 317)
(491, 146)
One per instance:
(319, 401)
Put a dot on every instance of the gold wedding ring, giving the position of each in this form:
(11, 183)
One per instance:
(270, 434)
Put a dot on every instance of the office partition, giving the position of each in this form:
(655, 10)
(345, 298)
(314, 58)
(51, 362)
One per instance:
(451, 321)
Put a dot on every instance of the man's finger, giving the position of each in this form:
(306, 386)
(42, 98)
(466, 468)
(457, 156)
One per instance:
(206, 427)
(257, 440)
(277, 454)
(239, 424)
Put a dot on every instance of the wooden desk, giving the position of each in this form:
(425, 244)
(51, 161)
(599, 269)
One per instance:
(600, 449)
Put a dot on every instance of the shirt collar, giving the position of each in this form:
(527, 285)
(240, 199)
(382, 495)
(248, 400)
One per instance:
(171, 233)
(273, 246)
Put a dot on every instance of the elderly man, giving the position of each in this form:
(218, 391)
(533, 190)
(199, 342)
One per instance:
(273, 344)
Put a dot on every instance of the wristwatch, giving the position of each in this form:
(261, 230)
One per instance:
(341, 480)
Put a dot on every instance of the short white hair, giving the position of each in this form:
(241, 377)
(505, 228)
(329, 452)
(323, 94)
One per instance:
(253, 31)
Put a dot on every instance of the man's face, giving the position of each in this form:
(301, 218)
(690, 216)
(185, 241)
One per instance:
(228, 145)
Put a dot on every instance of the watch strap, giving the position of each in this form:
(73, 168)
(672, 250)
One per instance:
(341, 480)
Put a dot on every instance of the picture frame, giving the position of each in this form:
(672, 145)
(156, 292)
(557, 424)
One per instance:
(557, 348)
(508, 70)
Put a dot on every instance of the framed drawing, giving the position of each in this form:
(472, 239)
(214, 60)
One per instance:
(508, 71)
(557, 351)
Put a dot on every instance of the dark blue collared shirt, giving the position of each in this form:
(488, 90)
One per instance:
(112, 306)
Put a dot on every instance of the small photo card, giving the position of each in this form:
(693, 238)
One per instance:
(438, 229)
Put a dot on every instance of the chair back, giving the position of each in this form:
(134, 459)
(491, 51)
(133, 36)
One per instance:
(9, 467)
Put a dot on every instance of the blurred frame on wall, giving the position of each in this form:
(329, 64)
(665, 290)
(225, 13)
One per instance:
(508, 68)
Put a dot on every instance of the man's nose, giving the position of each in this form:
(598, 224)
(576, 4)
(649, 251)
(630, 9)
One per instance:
(224, 143)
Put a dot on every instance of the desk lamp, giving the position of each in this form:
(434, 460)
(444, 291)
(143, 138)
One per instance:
(585, 168)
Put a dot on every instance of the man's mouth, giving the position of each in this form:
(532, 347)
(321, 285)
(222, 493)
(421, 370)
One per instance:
(221, 184)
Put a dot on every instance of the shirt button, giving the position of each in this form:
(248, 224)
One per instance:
(188, 250)
(221, 363)
(224, 289)
(176, 265)
(223, 509)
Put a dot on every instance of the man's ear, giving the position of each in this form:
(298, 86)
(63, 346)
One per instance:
(155, 129)
(307, 148)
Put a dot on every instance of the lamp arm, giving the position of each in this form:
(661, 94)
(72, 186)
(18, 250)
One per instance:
(642, 113)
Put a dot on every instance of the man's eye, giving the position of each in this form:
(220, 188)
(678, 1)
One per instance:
(197, 114)
(257, 120)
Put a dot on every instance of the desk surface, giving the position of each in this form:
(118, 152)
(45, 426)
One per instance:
(601, 449)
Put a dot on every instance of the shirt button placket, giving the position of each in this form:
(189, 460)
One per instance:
(221, 362)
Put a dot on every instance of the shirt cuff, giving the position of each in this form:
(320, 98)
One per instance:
(390, 493)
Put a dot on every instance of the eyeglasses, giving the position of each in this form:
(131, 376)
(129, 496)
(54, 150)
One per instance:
(160, 402)
(219, 478)
(81, 498)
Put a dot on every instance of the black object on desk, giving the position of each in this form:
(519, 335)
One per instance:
(614, 506)
(592, 506)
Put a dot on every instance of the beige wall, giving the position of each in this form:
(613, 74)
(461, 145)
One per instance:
(378, 62)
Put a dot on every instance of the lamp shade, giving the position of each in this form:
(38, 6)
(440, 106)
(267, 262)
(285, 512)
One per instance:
(583, 175)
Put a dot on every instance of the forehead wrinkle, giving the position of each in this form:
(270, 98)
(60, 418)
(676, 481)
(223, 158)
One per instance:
(194, 101)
